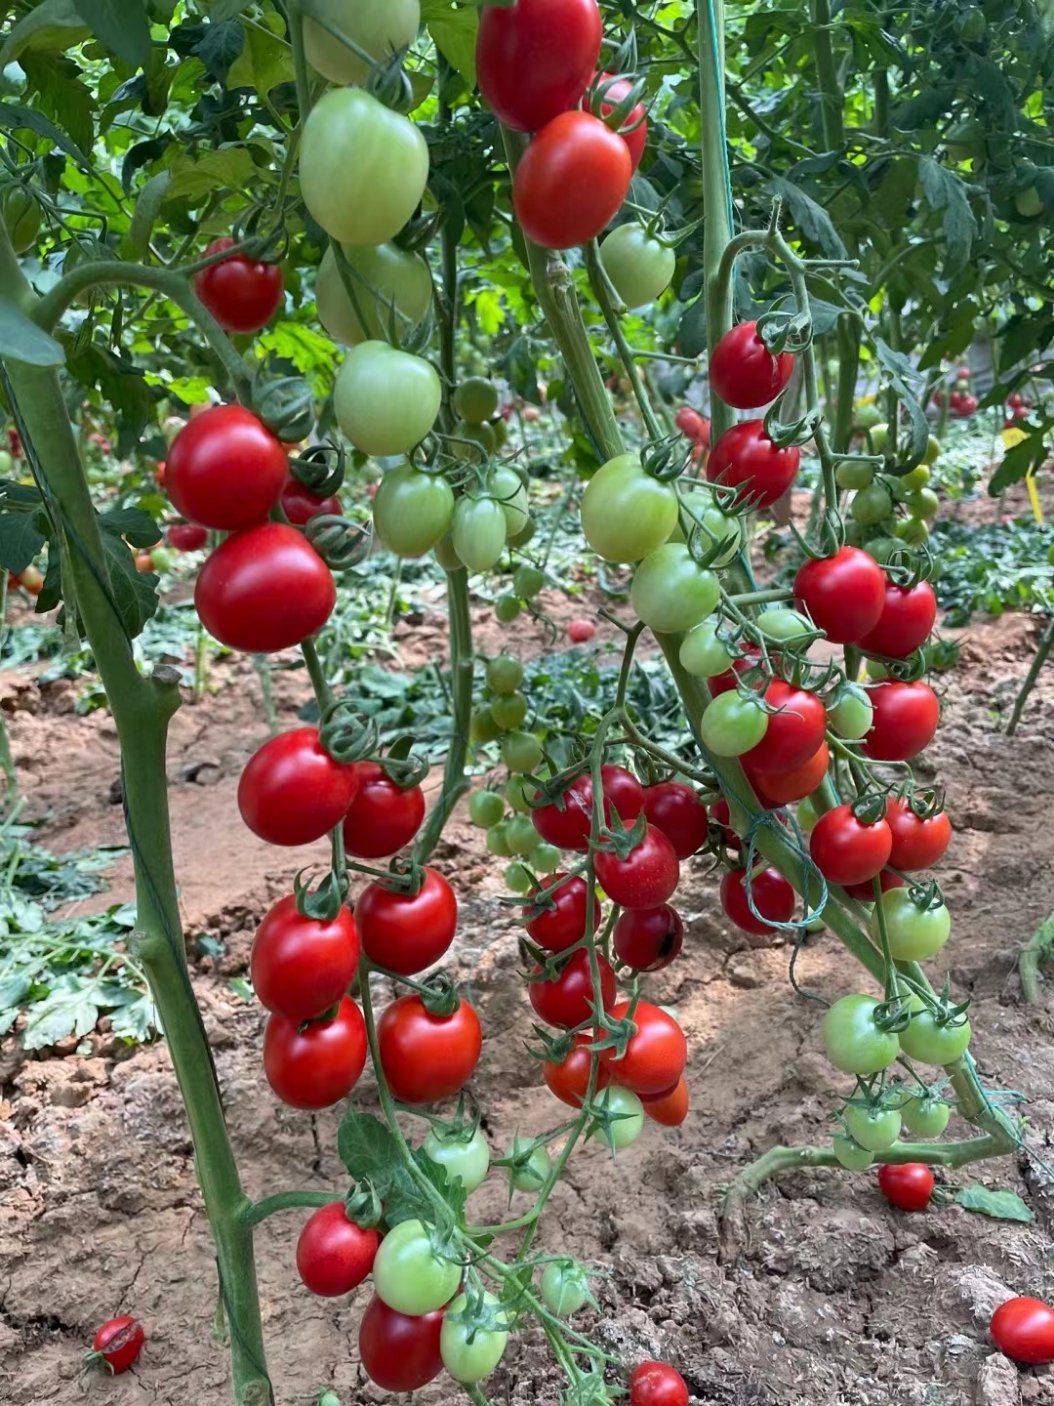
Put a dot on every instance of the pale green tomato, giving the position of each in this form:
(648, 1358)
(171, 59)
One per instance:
(854, 475)
(911, 482)
(565, 1287)
(625, 512)
(483, 728)
(509, 710)
(478, 532)
(925, 1116)
(923, 503)
(383, 276)
(784, 626)
(485, 808)
(504, 673)
(521, 834)
(732, 724)
(850, 1154)
(527, 581)
(521, 751)
(871, 505)
(476, 400)
(1029, 202)
(412, 510)
(386, 400)
(853, 1040)
(915, 933)
(497, 840)
(640, 268)
(873, 1128)
(379, 27)
(546, 859)
(702, 653)
(506, 486)
(627, 1114)
(883, 548)
(507, 607)
(879, 435)
(851, 714)
(6, 463)
(472, 444)
(470, 1351)
(518, 793)
(532, 1172)
(444, 552)
(933, 450)
(719, 527)
(912, 530)
(930, 1041)
(517, 878)
(466, 1159)
(671, 592)
(409, 1273)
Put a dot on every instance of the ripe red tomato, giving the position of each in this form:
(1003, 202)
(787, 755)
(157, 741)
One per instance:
(535, 58)
(264, 589)
(302, 966)
(657, 1384)
(773, 897)
(648, 939)
(1023, 1328)
(722, 683)
(795, 732)
(398, 1351)
(569, 1079)
(908, 1186)
(745, 458)
(905, 718)
(743, 371)
(844, 594)
(580, 631)
(315, 1065)
(866, 892)
(225, 469)
(241, 293)
(187, 536)
(563, 922)
(846, 850)
(677, 811)
(637, 139)
(647, 876)
(571, 181)
(300, 505)
(566, 824)
(655, 1055)
(780, 788)
(907, 618)
(333, 1254)
(567, 999)
(407, 932)
(119, 1341)
(292, 791)
(692, 425)
(669, 1108)
(383, 816)
(918, 842)
(426, 1057)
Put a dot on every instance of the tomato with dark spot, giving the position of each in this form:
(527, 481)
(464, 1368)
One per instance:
(648, 939)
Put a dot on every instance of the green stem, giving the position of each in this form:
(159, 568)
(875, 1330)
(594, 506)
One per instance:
(1038, 660)
(256, 1211)
(462, 669)
(717, 192)
(262, 665)
(848, 366)
(827, 75)
(1037, 949)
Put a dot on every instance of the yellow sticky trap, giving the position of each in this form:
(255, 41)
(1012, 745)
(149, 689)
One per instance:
(1033, 497)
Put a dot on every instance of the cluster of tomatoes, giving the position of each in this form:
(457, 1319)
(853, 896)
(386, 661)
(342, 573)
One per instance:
(1018, 408)
(961, 400)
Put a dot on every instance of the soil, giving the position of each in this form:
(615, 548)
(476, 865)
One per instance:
(833, 1300)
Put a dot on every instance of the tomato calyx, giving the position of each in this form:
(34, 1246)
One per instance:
(869, 808)
(339, 541)
(345, 736)
(363, 1205)
(619, 93)
(439, 994)
(620, 839)
(320, 468)
(284, 404)
(664, 460)
(324, 902)
(479, 1312)
(402, 766)
(924, 805)
(926, 896)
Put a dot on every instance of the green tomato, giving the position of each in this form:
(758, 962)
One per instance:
(530, 1170)
(505, 485)
(527, 581)
(6, 463)
(485, 808)
(627, 1112)
(21, 216)
(923, 503)
(807, 813)
(508, 710)
(915, 932)
(444, 553)
(851, 714)
(469, 1351)
(526, 532)
(521, 834)
(478, 532)
(363, 167)
(386, 400)
(504, 673)
(1028, 202)
(564, 1287)
(519, 792)
(732, 724)
(879, 436)
(702, 653)
(518, 878)
(883, 549)
(911, 530)
(719, 527)
(378, 27)
(521, 751)
(498, 841)
(472, 444)
(162, 558)
(784, 626)
(506, 608)
(925, 1116)
(466, 1158)
(873, 1128)
(476, 400)
(853, 475)
(383, 276)
(866, 415)
(483, 728)
(412, 510)
(671, 592)
(409, 1273)
(930, 456)
(872, 505)
(852, 1039)
(545, 858)
(640, 267)
(929, 1040)
(625, 512)
(850, 1154)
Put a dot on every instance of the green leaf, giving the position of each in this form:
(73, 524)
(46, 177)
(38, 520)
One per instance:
(905, 380)
(20, 540)
(137, 526)
(55, 24)
(368, 1150)
(264, 63)
(946, 193)
(219, 47)
(22, 340)
(16, 118)
(229, 168)
(454, 33)
(1000, 1205)
(62, 96)
(812, 219)
(406, 1199)
(147, 208)
(134, 592)
(1028, 455)
(221, 10)
(121, 25)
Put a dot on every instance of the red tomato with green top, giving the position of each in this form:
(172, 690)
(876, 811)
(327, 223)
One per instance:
(743, 371)
(225, 469)
(847, 850)
(292, 791)
(243, 294)
(535, 58)
(745, 458)
(427, 1057)
(567, 824)
(844, 594)
(796, 730)
(566, 1000)
(571, 181)
(407, 932)
(655, 1054)
(905, 719)
(399, 1352)
(315, 1065)
(1023, 1329)
(918, 841)
(907, 618)
(646, 877)
(568, 1078)
(636, 119)
(302, 966)
(383, 816)
(333, 1254)
(908, 1186)
(561, 922)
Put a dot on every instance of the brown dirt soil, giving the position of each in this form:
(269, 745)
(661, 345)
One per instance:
(835, 1300)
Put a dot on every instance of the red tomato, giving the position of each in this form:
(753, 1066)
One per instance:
(693, 425)
(580, 631)
(302, 966)
(637, 139)
(846, 850)
(535, 58)
(866, 892)
(669, 1108)
(571, 181)
(905, 718)
(647, 876)
(225, 469)
(426, 1057)
(655, 1054)
(567, 825)
(241, 293)
(773, 897)
(569, 1079)
(407, 932)
(721, 683)
(721, 816)
(844, 594)
(187, 536)
(743, 371)
(383, 816)
(1023, 1328)
(399, 1352)
(648, 939)
(745, 458)
(264, 589)
(967, 406)
(908, 1186)
(333, 1254)
(300, 505)
(119, 1341)
(657, 1384)
(567, 999)
(918, 842)
(1015, 400)
(780, 788)
(906, 620)
(292, 791)
(677, 811)
(954, 397)
(315, 1065)
(795, 732)
(562, 922)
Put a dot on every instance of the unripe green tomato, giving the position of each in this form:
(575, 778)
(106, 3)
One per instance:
(498, 840)
(923, 504)
(852, 714)
(867, 416)
(854, 475)
(377, 30)
(912, 530)
(21, 216)
(527, 581)
(671, 592)
(625, 512)
(564, 1287)
(521, 751)
(328, 1398)
(485, 808)
(470, 1352)
(508, 489)
(483, 728)
(508, 710)
(932, 1043)
(386, 274)
(807, 813)
(444, 553)
(504, 673)
(531, 1173)
(478, 532)
(640, 267)
(520, 834)
(915, 933)
(526, 532)
(702, 653)
(545, 858)
(732, 724)
(855, 533)
(518, 793)
(932, 454)
(471, 444)
(466, 1159)
(925, 1117)
(6, 463)
(722, 528)
(506, 608)
(476, 400)
(882, 549)
(972, 25)
(785, 626)
(163, 559)
(850, 1154)
(1028, 203)
(852, 1039)
(872, 505)
(385, 400)
(627, 1113)
(873, 1128)
(879, 436)
(409, 1273)
(412, 510)
(517, 877)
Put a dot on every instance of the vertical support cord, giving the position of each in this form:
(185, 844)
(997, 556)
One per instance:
(827, 76)
(717, 186)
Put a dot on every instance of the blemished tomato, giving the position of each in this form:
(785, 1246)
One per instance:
(773, 897)
(671, 592)
(853, 1040)
(225, 469)
(906, 717)
(187, 536)
(568, 1079)
(670, 1108)
(906, 620)
(571, 181)
(580, 631)
(300, 505)
(464, 1155)
(377, 27)
(733, 724)
(318, 1064)
(780, 788)
(567, 999)
(242, 294)
(566, 824)
(410, 1274)
(412, 510)
(292, 791)
(562, 921)
(657, 1384)
(655, 1055)
(646, 877)
(640, 267)
(844, 594)
(264, 589)
(427, 1057)
(333, 1254)
(383, 276)
(535, 58)
(399, 1351)
(743, 371)
(675, 809)
(119, 1341)
(908, 1186)
(302, 966)
(918, 841)
(847, 850)
(407, 932)
(745, 458)
(382, 816)
(625, 512)
(478, 531)
(382, 161)
(470, 1352)
(796, 728)
(1023, 1329)
(874, 1128)
(916, 930)
(634, 127)
(386, 400)
(648, 939)
(934, 1036)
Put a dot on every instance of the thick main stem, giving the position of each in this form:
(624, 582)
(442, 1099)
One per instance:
(717, 193)
(827, 76)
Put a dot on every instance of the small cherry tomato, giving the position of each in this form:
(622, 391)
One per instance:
(918, 841)
(292, 791)
(333, 1254)
(907, 618)
(571, 180)
(634, 128)
(646, 877)
(317, 1064)
(844, 594)
(300, 505)
(669, 1108)
(187, 536)
(427, 1057)
(403, 931)
(905, 718)
(399, 1351)
(648, 939)
(568, 1078)
(225, 469)
(242, 294)
(657, 1384)
(566, 1000)
(118, 1342)
(655, 1054)
(908, 1186)
(743, 371)
(566, 823)
(746, 458)
(847, 850)
(302, 966)
(383, 816)
(773, 898)
(580, 631)
(560, 921)
(1023, 1328)
(677, 811)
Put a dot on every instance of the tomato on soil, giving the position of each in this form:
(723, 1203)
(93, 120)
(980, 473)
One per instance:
(427, 1057)
(225, 469)
(333, 1254)
(657, 1384)
(571, 181)
(317, 1064)
(399, 1351)
(566, 999)
(908, 1186)
(407, 932)
(242, 294)
(743, 371)
(382, 817)
(119, 1341)
(264, 589)
(292, 791)
(1023, 1328)
(302, 966)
